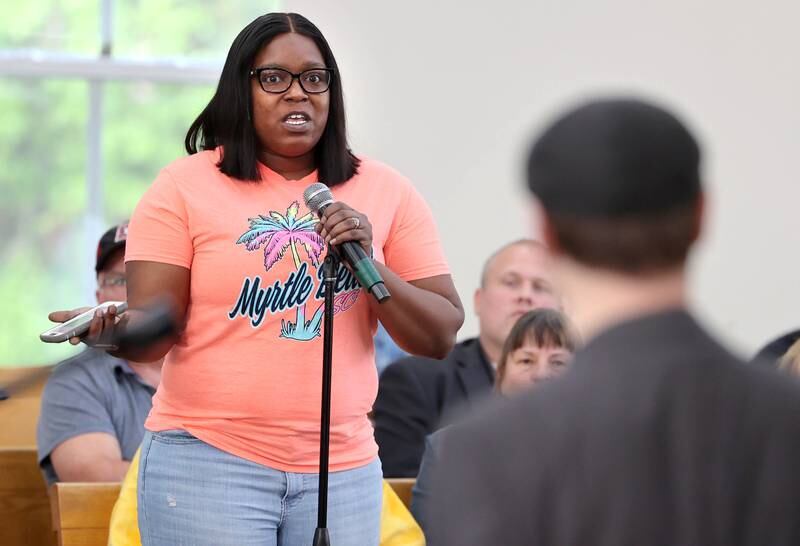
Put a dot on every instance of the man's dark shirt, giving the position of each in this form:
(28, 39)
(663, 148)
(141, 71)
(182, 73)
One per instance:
(656, 435)
(416, 396)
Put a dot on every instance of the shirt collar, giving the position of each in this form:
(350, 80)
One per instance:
(122, 367)
(647, 333)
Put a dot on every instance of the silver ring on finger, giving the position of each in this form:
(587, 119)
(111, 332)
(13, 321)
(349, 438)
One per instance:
(356, 222)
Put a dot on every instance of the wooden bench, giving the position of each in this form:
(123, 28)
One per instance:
(402, 486)
(82, 512)
(24, 506)
(20, 412)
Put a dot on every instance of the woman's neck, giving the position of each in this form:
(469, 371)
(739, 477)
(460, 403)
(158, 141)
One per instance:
(291, 168)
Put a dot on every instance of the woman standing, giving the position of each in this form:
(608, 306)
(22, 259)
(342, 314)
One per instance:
(232, 450)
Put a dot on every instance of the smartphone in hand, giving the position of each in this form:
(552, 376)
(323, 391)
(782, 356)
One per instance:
(77, 326)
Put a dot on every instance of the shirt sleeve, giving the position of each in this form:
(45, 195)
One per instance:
(413, 248)
(72, 404)
(159, 228)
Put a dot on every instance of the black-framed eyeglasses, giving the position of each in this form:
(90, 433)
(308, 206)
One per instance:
(278, 80)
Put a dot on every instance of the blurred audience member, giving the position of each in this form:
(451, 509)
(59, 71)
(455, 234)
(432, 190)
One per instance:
(416, 394)
(790, 361)
(656, 434)
(94, 405)
(538, 348)
(772, 352)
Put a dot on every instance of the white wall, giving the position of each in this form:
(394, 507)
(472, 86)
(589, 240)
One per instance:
(450, 93)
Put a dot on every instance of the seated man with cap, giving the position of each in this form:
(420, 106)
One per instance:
(94, 405)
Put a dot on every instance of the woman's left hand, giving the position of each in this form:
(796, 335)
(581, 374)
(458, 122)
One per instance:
(341, 223)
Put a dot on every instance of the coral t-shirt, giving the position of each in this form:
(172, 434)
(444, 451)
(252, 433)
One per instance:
(245, 375)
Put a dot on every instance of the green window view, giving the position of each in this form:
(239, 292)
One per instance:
(95, 97)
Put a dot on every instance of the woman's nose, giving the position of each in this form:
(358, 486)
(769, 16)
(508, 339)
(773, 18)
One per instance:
(295, 91)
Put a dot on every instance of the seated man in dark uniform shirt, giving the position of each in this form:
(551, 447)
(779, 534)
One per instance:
(656, 435)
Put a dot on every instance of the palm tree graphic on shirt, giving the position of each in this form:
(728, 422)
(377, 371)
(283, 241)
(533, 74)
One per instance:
(277, 233)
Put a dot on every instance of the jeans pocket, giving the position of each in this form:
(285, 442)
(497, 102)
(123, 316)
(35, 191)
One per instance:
(175, 437)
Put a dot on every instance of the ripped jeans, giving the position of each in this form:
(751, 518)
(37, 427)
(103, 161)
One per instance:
(192, 493)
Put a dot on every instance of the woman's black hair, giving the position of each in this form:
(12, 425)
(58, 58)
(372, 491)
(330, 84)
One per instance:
(226, 121)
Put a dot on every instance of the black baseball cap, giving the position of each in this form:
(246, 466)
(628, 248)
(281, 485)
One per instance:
(614, 158)
(111, 240)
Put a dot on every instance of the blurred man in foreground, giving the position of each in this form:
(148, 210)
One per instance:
(656, 434)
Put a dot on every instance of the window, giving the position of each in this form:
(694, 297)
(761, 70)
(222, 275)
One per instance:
(95, 97)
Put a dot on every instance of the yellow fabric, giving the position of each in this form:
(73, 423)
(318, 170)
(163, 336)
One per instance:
(123, 530)
(398, 527)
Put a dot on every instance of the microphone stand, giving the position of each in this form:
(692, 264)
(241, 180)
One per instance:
(330, 267)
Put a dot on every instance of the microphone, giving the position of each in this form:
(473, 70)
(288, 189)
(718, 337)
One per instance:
(317, 198)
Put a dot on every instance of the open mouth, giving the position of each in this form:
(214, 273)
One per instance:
(296, 119)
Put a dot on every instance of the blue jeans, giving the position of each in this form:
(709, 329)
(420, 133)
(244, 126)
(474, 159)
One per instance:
(195, 494)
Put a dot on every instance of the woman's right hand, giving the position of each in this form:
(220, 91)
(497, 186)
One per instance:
(102, 329)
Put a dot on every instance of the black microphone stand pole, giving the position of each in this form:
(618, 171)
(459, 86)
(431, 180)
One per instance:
(330, 267)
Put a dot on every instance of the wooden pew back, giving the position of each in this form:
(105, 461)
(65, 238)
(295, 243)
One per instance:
(20, 412)
(82, 512)
(24, 506)
(402, 486)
